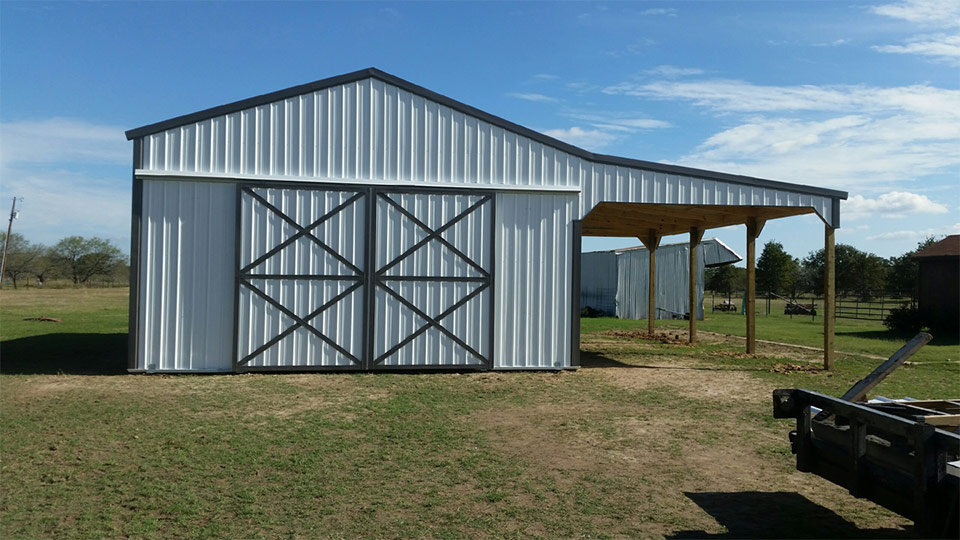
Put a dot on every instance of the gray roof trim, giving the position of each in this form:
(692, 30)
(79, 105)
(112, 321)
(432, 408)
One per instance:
(487, 117)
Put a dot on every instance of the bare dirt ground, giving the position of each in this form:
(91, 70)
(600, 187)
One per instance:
(716, 470)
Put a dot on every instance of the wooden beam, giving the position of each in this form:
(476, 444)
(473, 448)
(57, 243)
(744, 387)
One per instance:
(696, 234)
(751, 303)
(829, 300)
(651, 241)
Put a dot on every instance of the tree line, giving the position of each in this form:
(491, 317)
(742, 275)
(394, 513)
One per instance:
(857, 273)
(76, 258)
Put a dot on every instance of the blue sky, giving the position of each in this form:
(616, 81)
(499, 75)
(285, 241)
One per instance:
(857, 96)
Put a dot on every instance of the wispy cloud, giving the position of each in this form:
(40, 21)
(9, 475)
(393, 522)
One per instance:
(617, 122)
(662, 12)
(673, 71)
(941, 47)
(911, 234)
(927, 14)
(60, 140)
(590, 139)
(538, 98)
(895, 204)
(63, 202)
(837, 135)
(941, 13)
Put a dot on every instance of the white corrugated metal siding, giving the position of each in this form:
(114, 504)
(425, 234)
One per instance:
(186, 276)
(672, 282)
(533, 285)
(363, 131)
(372, 131)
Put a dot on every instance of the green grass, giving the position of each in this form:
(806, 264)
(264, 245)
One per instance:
(647, 440)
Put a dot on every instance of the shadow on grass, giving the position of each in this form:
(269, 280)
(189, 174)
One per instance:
(940, 340)
(779, 514)
(70, 354)
(589, 360)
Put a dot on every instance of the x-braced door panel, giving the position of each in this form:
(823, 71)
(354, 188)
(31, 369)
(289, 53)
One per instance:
(433, 280)
(301, 281)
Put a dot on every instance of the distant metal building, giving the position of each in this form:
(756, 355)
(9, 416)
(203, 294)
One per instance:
(615, 282)
(362, 222)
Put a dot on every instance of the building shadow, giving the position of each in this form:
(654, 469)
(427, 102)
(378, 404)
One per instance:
(778, 514)
(590, 360)
(69, 354)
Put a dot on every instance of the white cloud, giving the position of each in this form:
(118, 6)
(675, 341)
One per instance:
(916, 234)
(59, 140)
(739, 96)
(673, 71)
(591, 139)
(668, 12)
(618, 122)
(61, 203)
(937, 13)
(538, 98)
(940, 47)
(895, 204)
(826, 135)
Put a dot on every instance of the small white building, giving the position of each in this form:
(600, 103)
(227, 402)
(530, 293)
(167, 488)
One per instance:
(362, 222)
(615, 282)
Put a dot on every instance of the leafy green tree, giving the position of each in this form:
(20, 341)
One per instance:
(777, 270)
(82, 258)
(902, 271)
(856, 273)
(722, 279)
(21, 255)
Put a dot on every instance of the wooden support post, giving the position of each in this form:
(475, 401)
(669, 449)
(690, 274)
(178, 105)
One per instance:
(829, 298)
(651, 242)
(696, 234)
(754, 226)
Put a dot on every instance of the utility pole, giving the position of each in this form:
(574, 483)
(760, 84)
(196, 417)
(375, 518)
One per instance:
(6, 242)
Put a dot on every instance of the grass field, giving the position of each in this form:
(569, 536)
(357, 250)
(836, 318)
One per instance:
(648, 439)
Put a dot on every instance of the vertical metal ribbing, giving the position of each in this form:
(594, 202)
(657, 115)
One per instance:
(369, 269)
(237, 231)
(491, 290)
(577, 231)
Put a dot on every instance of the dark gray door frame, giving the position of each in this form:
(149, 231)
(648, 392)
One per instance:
(370, 277)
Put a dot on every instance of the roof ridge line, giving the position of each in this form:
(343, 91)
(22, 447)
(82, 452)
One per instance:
(403, 84)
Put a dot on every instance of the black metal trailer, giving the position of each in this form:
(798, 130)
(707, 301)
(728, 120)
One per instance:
(884, 453)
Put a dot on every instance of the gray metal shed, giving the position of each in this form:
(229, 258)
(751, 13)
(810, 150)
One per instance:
(615, 282)
(363, 222)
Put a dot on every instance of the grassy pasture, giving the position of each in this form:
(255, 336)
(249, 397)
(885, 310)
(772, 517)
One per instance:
(648, 439)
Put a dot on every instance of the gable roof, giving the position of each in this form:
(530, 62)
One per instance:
(374, 73)
(948, 247)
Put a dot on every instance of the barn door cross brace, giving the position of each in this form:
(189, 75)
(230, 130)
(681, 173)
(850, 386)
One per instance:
(300, 322)
(302, 231)
(434, 233)
(432, 322)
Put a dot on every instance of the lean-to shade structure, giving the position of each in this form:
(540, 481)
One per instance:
(362, 222)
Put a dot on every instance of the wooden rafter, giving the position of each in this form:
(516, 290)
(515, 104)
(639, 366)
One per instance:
(635, 219)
